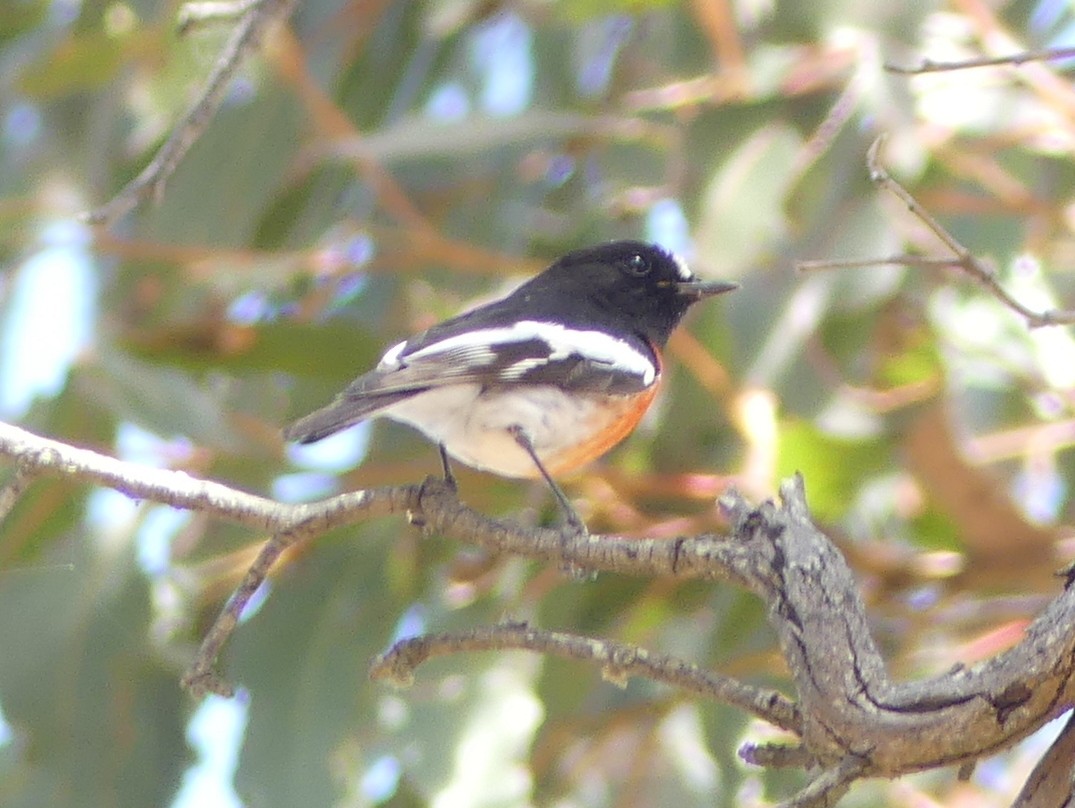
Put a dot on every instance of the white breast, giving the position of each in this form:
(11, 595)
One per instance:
(473, 424)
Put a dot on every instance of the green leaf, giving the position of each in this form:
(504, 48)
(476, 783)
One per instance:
(835, 468)
(164, 401)
(919, 362)
(582, 10)
(335, 350)
(98, 716)
(19, 17)
(80, 63)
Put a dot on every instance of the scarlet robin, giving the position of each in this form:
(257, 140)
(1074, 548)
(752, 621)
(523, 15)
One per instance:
(539, 382)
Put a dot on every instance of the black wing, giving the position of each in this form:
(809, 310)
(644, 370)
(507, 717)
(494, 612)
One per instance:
(528, 352)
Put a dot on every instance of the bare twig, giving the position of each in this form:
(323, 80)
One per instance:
(822, 138)
(828, 786)
(247, 36)
(930, 66)
(431, 502)
(201, 678)
(963, 259)
(901, 260)
(619, 662)
(776, 756)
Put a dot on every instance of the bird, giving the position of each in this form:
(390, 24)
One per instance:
(540, 382)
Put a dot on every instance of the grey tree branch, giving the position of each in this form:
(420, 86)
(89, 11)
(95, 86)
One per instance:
(854, 720)
(618, 663)
(930, 66)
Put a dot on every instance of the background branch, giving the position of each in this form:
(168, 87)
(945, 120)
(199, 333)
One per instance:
(618, 663)
(256, 18)
(964, 259)
(931, 66)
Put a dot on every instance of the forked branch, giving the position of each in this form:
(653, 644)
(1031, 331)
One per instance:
(852, 720)
(962, 259)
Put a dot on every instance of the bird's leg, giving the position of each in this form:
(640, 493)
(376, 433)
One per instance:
(416, 518)
(573, 519)
(446, 467)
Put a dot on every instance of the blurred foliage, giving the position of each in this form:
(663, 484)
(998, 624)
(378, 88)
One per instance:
(381, 164)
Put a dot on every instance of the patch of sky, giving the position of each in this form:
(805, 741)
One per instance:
(410, 624)
(1051, 20)
(21, 125)
(242, 92)
(666, 225)
(600, 44)
(1047, 14)
(994, 774)
(381, 780)
(7, 734)
(560, 169)
(448, 103)
(1040, 491)
(304, 486)
(64, 12)
(338, 452)
(153, 540)
(215, 731)
(250, 308)
(501, 54)
(49, 317)
(110, 514)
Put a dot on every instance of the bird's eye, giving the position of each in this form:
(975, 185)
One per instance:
(637, 265)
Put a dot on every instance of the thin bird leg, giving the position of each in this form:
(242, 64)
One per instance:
(446, 467)
(527, 446)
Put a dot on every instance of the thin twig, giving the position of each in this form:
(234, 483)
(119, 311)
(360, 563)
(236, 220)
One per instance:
(964, 259)
(776, 756)
(903, 259)
(246, 37)
(619, 662)
(828, 786)
(822, 138)
(930, 66)
(880, 177)
(200, 677)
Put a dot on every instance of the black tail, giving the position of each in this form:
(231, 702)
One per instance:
(340, 414)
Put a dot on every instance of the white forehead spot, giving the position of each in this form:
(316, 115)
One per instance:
(685, 273)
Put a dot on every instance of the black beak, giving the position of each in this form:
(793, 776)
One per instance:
(699, 290)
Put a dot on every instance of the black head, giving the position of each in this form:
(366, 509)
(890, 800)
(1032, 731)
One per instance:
(625, 284)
